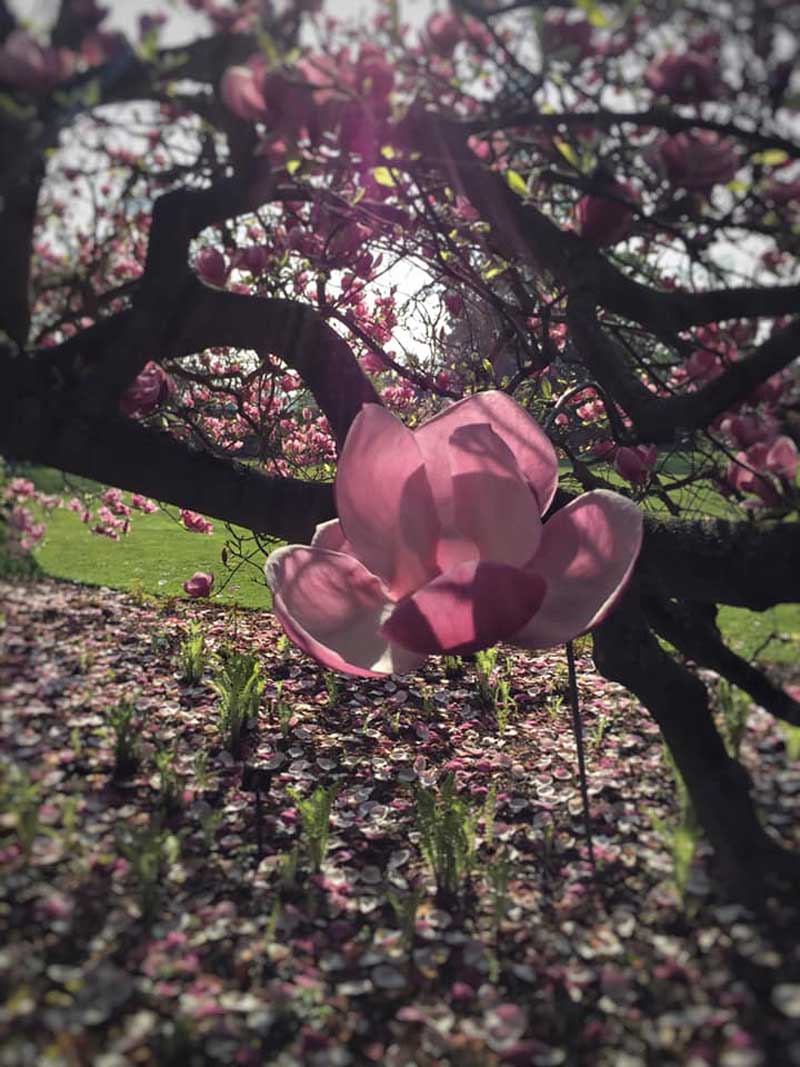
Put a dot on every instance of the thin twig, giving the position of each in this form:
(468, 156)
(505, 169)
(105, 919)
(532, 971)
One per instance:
(577, 728)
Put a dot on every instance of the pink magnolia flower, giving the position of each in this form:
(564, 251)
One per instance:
(19, 487)
(696, 159)
(143, 503)
(606, 220)
(753, 471)
(439, 546)
(26, 65)
(564, 31)
(253, 259)
(635, 464)
(443, 31)
(746, 430)
(195, 523)
(783, 193)
(211, 266)
(686, 78)
(199, 585)
(781, 458)
(147, 392)
(703, 365)
(242, 92)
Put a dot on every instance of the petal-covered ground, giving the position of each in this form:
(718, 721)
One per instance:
(167, 914)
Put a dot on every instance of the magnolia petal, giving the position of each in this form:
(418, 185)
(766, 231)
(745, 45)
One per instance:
(330, 535)
(241, 93)
(492, 513)
(332, 608)
(587, 554)
(384, 501)
(473, 606)
(528, 442)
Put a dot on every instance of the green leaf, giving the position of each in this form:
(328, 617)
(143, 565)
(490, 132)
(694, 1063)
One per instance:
(772, 157)
(292, 166)
(91, 93)
(593, 12)
(22, 112)
(569, 153)
(268, 47)
(383, 176)
(492, 272)
(516, 182)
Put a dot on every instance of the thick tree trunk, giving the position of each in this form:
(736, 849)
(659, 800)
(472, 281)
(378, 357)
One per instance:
(749, 862)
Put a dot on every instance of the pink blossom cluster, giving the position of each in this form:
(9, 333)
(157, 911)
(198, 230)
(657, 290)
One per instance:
(195, 523)
(112, 498)
(445, 30)
(19, 488)
(19, 495)
(766, 463)
(27, 530)
(143, 503)
(107, 524)
(322, 92)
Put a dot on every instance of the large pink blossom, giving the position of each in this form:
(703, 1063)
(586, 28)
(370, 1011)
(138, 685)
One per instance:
(27, 65)
(147, 392)
(697, 159)
(606, 220)
(443, 31)
(439, 546)
(566, 31)
(199, 585)
(635, 464)
(242, 89)
(750, 470)
(686, 78)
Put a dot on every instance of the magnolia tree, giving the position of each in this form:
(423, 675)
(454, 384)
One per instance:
(219, 257)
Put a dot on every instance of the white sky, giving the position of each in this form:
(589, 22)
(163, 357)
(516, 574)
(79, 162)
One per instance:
(185, 24)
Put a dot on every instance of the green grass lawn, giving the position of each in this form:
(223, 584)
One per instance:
(156, 557)
(159, 555)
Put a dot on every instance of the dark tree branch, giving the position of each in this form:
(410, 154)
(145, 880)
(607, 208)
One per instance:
(659, 419)
(7, 21)
(206, 318)
(521, 232)
(122, 452)
(175, 315)
(714, 561)
(655, 117)
(625, 651)
(692, 630)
